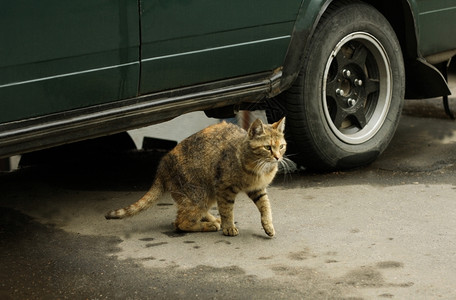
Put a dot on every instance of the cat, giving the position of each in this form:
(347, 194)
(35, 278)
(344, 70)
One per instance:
(211, 167)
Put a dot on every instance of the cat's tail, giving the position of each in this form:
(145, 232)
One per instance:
(145, 202)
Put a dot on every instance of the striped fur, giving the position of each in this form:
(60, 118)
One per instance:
(145, 202)
(212, 167)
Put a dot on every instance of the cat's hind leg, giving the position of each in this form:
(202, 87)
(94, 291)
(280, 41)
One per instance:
(210, 218)
(193, 218)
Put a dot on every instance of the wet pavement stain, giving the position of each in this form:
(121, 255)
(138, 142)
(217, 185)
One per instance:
(67, 268)
(369, 277)
(156, 244)
(147, 239)
(301, 255)
(389, 265)
(265, 257)
(363, 277)
(224, 242)
(174, 233)
(148, 258)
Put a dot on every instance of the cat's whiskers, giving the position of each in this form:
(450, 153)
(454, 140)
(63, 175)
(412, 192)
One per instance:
(259, 165)
(264, 166)
(287, 166)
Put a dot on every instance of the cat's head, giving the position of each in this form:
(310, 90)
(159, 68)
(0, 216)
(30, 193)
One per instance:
(267, 144)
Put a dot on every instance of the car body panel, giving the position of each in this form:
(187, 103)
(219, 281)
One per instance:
(191, 42)
(63, 55)
(437, 31)
(437, 25)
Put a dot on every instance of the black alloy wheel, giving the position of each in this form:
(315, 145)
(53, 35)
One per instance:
(345, 105)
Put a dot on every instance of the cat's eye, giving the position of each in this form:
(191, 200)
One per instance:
(282, 146)
(268, 147)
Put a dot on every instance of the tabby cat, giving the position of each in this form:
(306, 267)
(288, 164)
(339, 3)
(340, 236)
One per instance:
(212, 167)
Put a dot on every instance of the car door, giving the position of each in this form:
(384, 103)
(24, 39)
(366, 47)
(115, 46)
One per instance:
(437, 25)
(59, 55)
(185, 42)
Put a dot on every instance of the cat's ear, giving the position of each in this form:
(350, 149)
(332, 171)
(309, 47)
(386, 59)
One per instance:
(256, 129)
(279, 125)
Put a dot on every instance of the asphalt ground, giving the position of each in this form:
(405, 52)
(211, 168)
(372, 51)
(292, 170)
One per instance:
(386, 231)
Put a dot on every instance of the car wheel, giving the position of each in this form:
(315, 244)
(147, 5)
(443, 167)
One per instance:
(345, 105)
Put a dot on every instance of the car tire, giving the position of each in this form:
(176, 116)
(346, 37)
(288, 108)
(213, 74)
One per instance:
(345, 105)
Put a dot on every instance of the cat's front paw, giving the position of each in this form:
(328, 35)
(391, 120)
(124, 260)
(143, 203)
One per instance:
(269, 229)
(230, 231)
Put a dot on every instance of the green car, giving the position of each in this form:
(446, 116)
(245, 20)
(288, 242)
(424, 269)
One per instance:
(339, 70)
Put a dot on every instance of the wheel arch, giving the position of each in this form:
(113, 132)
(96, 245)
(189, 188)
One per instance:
(423, 80)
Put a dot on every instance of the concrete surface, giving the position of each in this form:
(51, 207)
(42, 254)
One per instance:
(386, 231)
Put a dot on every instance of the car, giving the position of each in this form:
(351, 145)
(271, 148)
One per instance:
(338, 69)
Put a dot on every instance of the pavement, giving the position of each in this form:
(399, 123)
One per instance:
(386, 231)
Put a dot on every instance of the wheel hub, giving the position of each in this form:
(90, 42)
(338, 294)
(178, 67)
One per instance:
(351, 88)
(357, 88)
